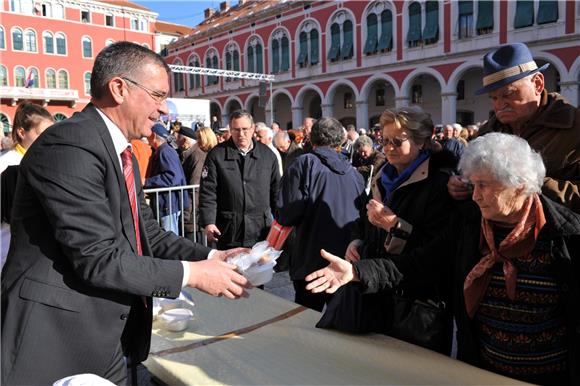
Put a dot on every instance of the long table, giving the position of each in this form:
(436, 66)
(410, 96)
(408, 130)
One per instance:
(266, 340)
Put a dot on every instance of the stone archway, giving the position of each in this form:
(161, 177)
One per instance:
(258, 113)
(471, 108)
(343, 104)
(283, 111)
(312, 105)
(425, 91)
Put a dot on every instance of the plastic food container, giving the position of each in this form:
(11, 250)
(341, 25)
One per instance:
(260, 274)
(169, 304)
(176, 319)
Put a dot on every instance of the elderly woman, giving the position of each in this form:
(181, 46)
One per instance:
(366, 157)
(409, 205)
(517, 270)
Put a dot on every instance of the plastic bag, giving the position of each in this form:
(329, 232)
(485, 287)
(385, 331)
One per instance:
(258, 265)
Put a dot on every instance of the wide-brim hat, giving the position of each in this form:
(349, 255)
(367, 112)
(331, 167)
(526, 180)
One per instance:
(507, 64)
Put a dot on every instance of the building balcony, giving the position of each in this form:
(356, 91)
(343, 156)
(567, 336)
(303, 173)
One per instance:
(45, 94)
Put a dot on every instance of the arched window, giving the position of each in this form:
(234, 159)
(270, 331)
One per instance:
(280, 52)
(87, 47)
(232, 59)
(211, 61)
(3, 76)
(48, 42)
(17, 39)
(194, 79)
(5, 122)
(2, 39)
(59, 117)
(60, 43)
(58, 11)
(50, 78)
(87, 83)
(414, 32)
(341, 37)
(178, 81)
(379, 29)
(33, 80)
(19, 76)
(254, 56)
(30, 41)
(62, 79)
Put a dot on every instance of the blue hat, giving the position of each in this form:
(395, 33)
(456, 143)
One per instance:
(507, 64)
(160, 130)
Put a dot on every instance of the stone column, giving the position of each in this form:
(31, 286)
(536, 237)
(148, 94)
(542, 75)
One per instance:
(448, 107)
(362, 114)
(402, 101)
(569, 90)
(297, 116)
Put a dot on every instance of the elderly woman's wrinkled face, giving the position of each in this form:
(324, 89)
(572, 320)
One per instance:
(496, 201)
(399, 147)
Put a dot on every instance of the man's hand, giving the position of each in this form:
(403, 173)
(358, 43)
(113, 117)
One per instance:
(458, 189)
(352, 250)
(224, 255)
(212, 232)
(217, 278)
(381, 215)
(332, 277)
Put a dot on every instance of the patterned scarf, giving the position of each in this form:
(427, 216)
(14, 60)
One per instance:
(519, 243)
(19, 149)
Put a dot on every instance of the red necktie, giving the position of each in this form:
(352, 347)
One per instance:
(127, 161)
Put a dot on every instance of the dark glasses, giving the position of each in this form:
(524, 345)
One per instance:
(396, 142)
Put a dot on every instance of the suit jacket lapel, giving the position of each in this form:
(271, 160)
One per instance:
(126, 215)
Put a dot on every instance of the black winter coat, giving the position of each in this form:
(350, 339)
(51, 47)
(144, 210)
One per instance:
(238, 194)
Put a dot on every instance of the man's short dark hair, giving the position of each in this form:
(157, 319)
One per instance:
(121, 59)
(327, 132)
(241, 114)
(350, 127)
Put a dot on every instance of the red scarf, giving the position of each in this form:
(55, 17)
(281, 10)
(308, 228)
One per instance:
(518, 244)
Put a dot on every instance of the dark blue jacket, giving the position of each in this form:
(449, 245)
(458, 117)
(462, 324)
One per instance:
(165, 171)
(321, 196)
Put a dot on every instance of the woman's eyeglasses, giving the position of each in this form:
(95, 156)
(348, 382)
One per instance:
(396, 142)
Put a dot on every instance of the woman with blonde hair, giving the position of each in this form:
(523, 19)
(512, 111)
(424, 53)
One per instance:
(193, 160)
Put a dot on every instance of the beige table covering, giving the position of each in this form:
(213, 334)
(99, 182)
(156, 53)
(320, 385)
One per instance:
(266, 340)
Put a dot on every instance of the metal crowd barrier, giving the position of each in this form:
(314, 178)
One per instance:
(191, 190)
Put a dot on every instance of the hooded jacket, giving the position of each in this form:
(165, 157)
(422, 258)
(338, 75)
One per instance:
(554, 131)
(321, 196)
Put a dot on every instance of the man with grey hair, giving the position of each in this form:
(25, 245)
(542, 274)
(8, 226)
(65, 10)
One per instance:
(522, 106)
(265, 135)
(307, 124)
(289, 150)
(239, 185)
(321, 196)
(89, 254)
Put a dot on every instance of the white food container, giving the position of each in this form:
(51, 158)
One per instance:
(176, 319)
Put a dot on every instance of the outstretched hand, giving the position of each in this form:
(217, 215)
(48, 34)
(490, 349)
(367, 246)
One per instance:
(329, 279)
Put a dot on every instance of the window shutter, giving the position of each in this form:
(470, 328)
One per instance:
(386, 40)
(303, 53)
(431, 31)
(259, 59)
(347, 43)
(484, 14)
(285, 48)
(314, 55)
(275, 57)
(524, 14)
(335, 42)
(371, 43)
(250, 55)
(414, 33)
(547, 11)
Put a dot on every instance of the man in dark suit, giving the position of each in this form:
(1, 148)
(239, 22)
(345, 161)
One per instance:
(87, 255)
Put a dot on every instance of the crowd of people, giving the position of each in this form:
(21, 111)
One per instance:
(482, 221)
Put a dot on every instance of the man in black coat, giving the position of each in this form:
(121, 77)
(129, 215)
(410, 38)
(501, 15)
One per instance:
(321, 196)
(239, 185)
